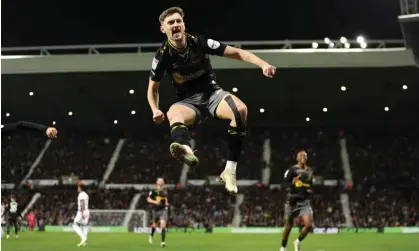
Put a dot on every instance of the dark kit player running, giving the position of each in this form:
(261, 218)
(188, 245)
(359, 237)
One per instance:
(12, 213)
(158, 198)
(298, 180)
(185, 57)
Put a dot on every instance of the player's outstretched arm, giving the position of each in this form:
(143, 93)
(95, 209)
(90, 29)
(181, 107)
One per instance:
(51, 132)
(153, 100)
(247, 56)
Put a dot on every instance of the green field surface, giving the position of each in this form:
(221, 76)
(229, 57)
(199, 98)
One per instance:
(209, 242)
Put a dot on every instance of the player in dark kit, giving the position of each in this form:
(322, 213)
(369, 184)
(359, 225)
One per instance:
(12, 212)
(298, 180)
(185, 57)
(158, 199)
(8, 129)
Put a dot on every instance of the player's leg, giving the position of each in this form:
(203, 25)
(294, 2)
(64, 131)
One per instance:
(307, 214)
(180, 116)
(229, 107)
(153, 227)
(289, 216)
(153, 230)
(163, 221)
(163, 232)
(77, 228)
(16, 226)
(85, 225)
(9, 224)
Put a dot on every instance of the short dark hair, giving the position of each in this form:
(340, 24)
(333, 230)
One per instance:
(170, 11)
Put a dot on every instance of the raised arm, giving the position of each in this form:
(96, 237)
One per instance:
(24, 125)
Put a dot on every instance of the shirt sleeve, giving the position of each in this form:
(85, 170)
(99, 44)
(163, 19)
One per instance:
(211, 46)
(158, 69)
(288, 177)
(22, 125)
(84, 196)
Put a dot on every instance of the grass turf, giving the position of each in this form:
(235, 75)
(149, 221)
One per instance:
(39, 241)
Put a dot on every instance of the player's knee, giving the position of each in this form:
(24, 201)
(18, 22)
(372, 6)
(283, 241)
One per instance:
(174, 115)
(239, 111)
(242, 108)
(308, 225)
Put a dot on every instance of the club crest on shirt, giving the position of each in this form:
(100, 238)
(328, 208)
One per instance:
(213, 44)
(154, 64)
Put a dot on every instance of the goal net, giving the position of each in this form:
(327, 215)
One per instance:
(119, 218)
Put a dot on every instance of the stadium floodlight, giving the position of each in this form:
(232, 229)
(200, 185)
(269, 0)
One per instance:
(7, 114)
(308, 119)
(347, 45)
(343, 40)
(404, 87)
(331, 45)
(115, 121)
(30, 93)
(131, 91)
(235, 89)
(261, 110)
(325, 109)
(363, 45)
(386, 109)
(133, 112)
(70, 113)
(53, 122)
(360, 39)
(327, 40)
(314, 45)
(343, 88)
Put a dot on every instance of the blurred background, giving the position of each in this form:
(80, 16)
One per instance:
(346, 91)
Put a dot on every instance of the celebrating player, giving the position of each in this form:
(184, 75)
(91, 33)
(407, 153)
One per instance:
(158, 198)
(7, 129)
(12, 211)
(82, 216)
(298, 180)
(185, 57)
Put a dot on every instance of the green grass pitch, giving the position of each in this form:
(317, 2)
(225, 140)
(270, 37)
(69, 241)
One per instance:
(209, 242)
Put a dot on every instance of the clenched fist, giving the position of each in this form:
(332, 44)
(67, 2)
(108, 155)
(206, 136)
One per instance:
(158, 117)
(52, 132)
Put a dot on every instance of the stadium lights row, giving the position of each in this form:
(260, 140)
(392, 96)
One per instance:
(342, 88)
(70, 113)
(325, 110)
(234, 89)
(344, 41)
(261, 110)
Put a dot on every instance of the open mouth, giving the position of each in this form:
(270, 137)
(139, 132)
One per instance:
(175, 31)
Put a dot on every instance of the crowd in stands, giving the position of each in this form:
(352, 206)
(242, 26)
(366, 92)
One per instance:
(383, 165)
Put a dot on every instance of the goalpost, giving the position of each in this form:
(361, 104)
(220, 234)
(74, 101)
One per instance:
(119, 218)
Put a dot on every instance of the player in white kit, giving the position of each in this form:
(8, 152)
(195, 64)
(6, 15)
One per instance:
(81, 220)
(3, 218)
